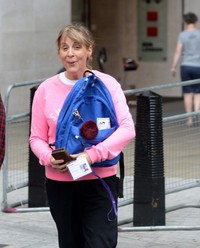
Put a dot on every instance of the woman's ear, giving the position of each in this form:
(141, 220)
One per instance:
(90, 50)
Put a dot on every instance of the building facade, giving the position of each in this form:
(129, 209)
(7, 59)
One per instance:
(28, 30)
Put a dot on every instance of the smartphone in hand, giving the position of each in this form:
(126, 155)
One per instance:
(61, 153)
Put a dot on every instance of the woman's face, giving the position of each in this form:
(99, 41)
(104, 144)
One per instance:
(74, 57)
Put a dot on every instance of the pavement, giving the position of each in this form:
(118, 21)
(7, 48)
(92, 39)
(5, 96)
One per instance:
(36, 229)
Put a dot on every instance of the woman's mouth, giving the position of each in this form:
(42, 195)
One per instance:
(71, 62)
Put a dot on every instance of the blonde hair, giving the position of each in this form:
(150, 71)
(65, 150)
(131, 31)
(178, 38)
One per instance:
(78, 33)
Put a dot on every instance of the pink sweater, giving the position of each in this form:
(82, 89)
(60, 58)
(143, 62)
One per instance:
(47, 103)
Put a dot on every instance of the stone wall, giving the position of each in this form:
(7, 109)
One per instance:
(28, 31)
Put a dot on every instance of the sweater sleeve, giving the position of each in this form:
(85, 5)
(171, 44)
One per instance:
(39, 140)
(114, 144)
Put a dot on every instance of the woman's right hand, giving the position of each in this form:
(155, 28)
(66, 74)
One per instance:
(173, 71)
(58, 165)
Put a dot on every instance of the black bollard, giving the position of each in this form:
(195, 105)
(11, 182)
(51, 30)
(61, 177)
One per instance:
(36, 188)
(149, 183)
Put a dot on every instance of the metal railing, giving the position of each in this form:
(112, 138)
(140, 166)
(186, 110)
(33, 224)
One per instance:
(181, 151)
(15, 166)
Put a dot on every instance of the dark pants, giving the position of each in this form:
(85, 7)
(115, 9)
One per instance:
(81, 211)
(190, 73)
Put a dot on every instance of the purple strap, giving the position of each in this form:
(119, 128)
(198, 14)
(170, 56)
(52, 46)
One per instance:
(114, 205)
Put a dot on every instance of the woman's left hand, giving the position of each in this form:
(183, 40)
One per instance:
(82, 155)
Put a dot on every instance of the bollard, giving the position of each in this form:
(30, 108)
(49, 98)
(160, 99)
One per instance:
(36, 188)
(149, 184)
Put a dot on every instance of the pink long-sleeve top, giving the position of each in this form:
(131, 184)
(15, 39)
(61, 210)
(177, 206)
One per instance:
(47, 103)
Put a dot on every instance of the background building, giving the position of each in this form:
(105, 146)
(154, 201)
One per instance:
(125, 28)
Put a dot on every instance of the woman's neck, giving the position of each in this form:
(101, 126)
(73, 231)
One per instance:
(75, 75)
(190, 27)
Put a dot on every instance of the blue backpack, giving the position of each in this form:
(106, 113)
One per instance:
(76, 128)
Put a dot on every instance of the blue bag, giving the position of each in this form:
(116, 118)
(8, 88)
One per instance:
(76, 128)
(88, 100)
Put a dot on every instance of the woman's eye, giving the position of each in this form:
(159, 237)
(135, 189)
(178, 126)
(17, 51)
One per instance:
(77, 46)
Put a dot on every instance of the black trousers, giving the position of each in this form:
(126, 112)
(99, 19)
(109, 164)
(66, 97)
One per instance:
(83, 213)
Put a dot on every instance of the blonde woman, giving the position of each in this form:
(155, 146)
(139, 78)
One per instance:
(79, 208)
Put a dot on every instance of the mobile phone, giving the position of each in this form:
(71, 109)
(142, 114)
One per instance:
(61, 153)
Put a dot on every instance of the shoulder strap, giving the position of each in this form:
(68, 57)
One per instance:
(121, 179)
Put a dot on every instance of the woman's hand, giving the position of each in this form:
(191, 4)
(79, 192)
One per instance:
(58, 165)
(173, 71)
(82, 155)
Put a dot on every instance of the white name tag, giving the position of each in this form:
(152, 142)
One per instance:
(103, 123)
(79, 168)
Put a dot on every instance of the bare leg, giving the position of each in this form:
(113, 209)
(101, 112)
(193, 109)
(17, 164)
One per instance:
(188, 103)
(196, 102)
(197, 107)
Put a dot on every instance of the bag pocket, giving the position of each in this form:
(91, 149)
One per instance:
(101, 136)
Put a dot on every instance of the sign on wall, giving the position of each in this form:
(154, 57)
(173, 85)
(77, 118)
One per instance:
(152, 30)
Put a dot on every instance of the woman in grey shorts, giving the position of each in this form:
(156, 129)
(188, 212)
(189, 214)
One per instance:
(188, 49)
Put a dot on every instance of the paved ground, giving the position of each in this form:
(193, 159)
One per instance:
(37, 230)
(182, 230)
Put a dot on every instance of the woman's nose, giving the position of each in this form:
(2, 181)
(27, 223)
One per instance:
(70, 52)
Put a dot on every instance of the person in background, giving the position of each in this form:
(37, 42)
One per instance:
(188, 50)
(2, 131)
(79, 208)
